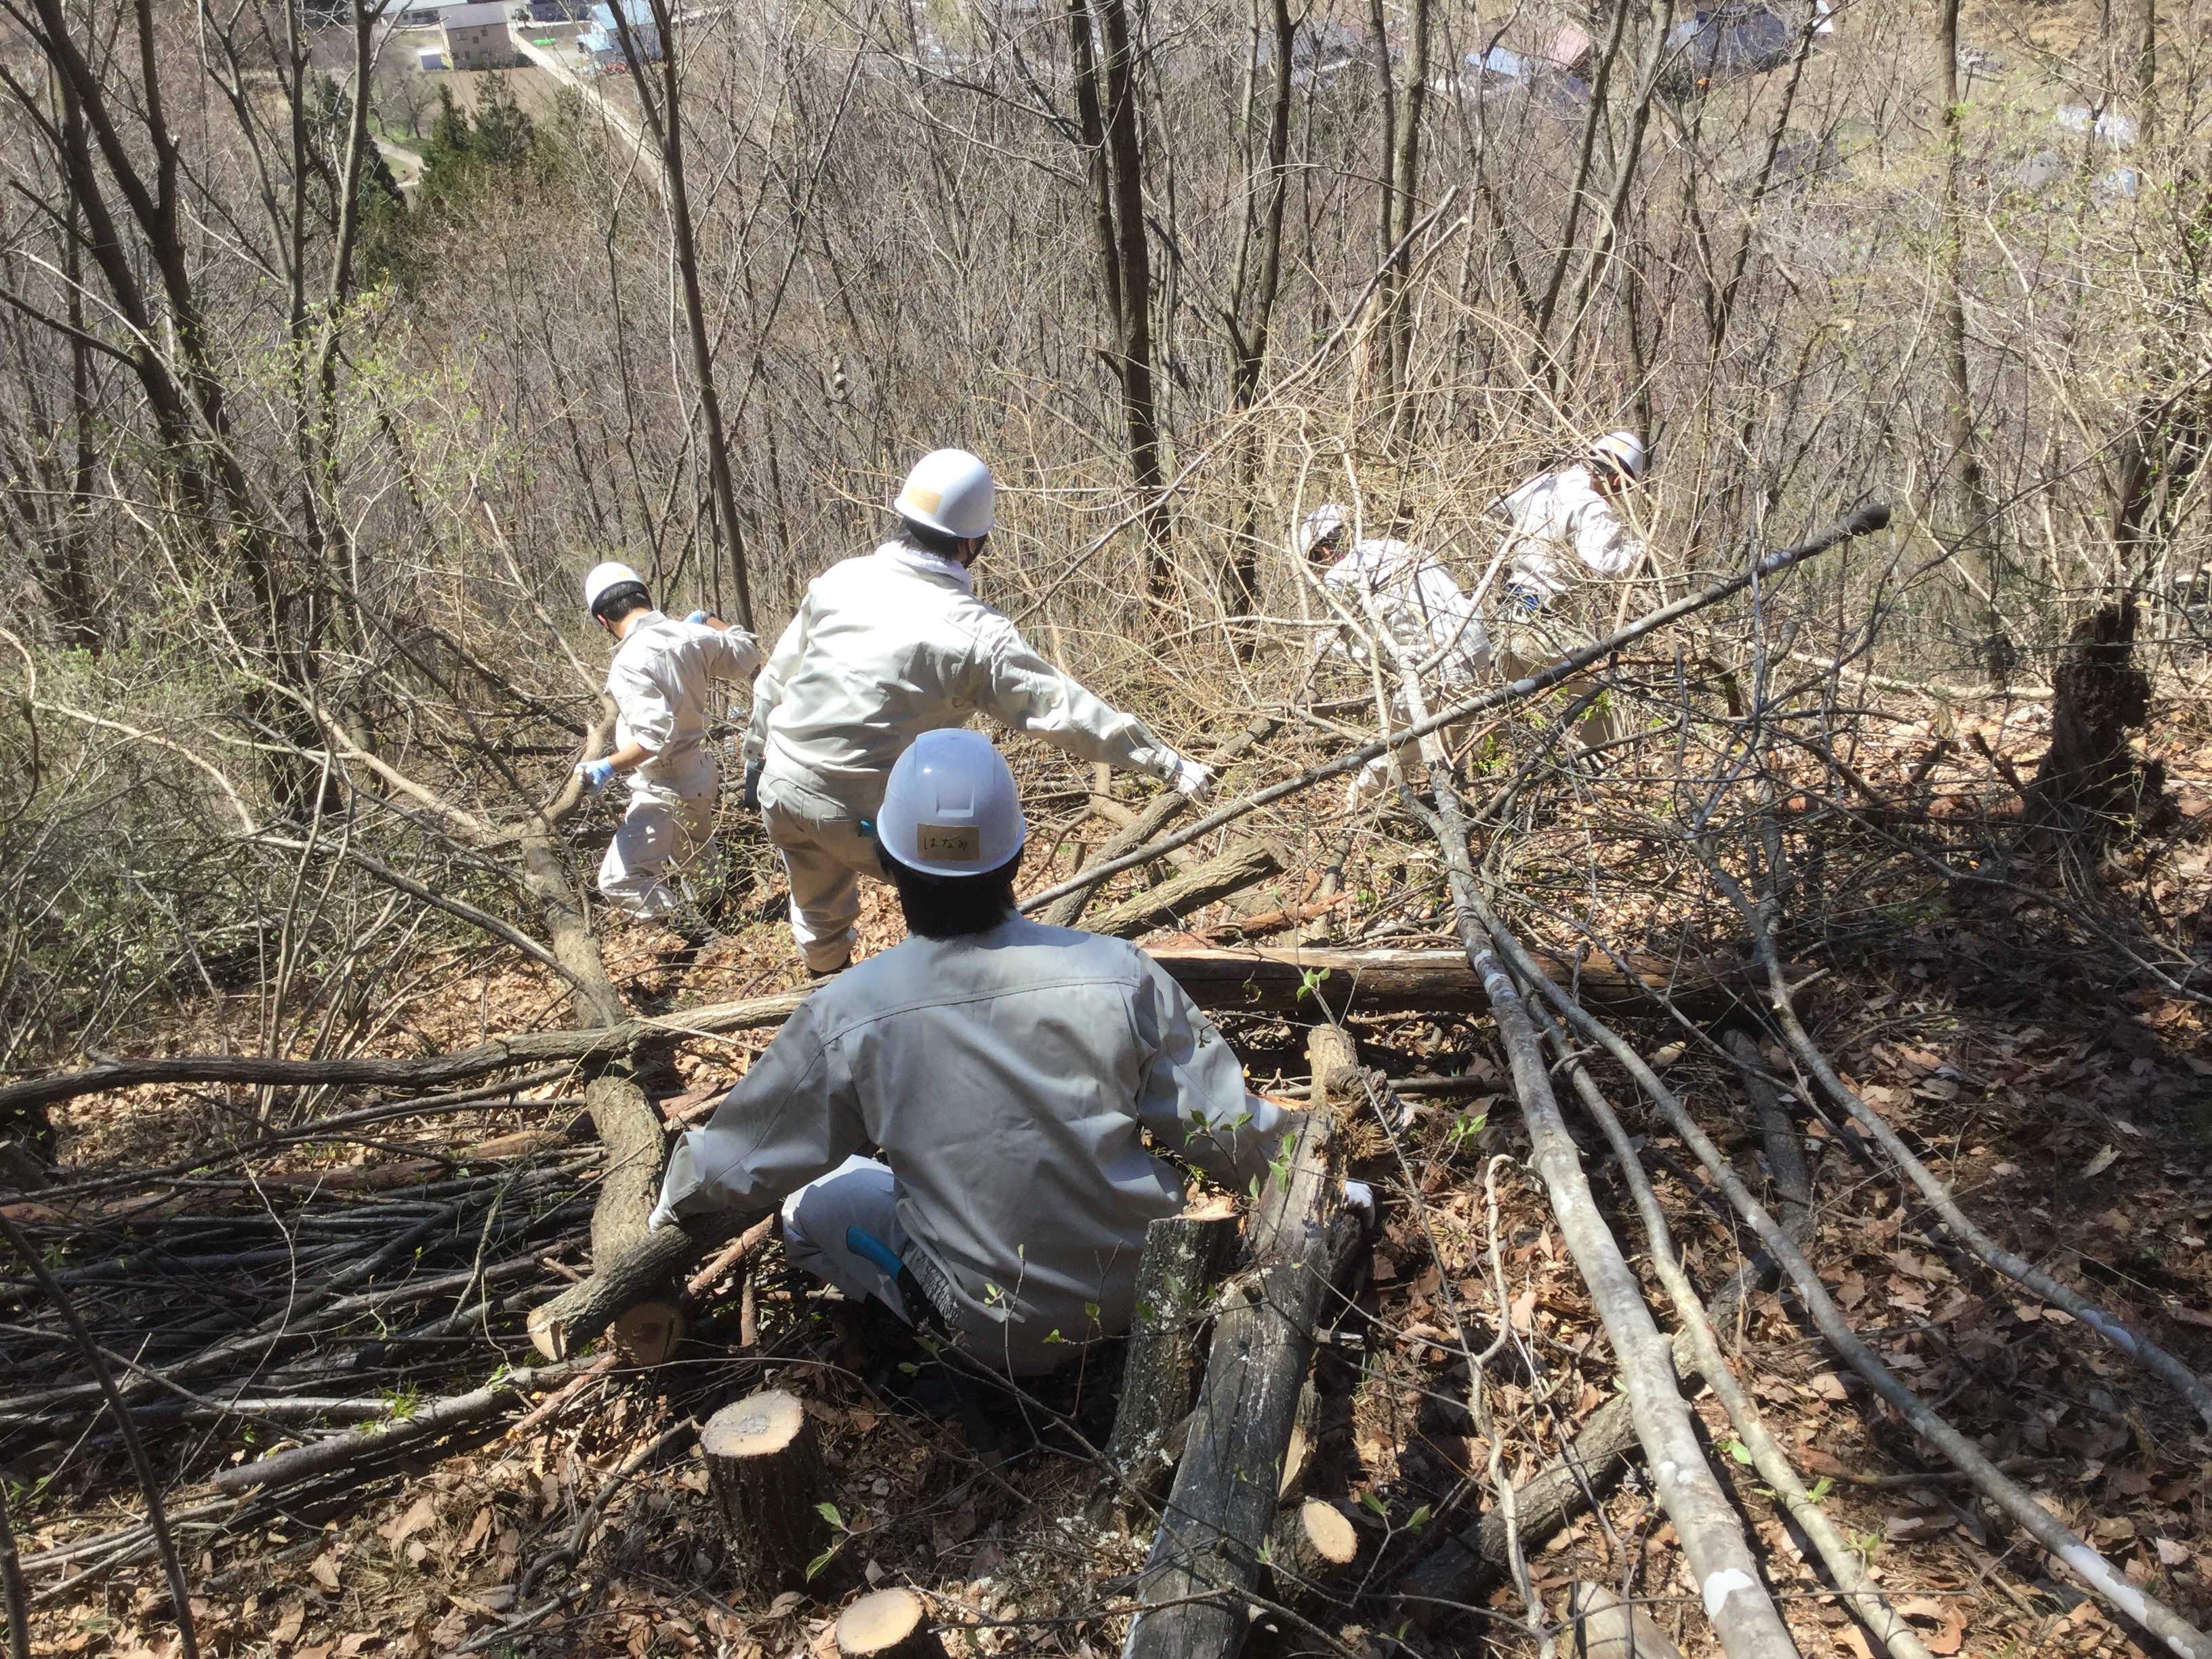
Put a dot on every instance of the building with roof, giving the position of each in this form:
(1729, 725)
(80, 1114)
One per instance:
(600, 41)
(476, 37)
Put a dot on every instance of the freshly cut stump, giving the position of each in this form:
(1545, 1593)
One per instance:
(1308, 1553)
(765, 1474)
(888, 1621)
(1600, 1626)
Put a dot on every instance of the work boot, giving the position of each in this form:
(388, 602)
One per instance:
(694, 929)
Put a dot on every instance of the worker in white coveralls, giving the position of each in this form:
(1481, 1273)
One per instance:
(659, 681)
(1009, 1073)
(1567, 526)
(1400, 592)
(884, 647)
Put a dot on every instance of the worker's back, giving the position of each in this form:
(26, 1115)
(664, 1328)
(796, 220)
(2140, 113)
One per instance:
(882, 650)
(1008, 1079)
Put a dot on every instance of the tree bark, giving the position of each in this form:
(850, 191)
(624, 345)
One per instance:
(1309, 1552)
(1222, 1504)
(1242, 865)
(765, 1474)
(2088, 779)
(1184, 1256)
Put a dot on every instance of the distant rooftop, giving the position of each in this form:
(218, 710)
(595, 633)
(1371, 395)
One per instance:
(478, 15)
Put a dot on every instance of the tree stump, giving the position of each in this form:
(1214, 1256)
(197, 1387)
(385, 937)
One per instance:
(1308, 1553)
(765, 1474)
(1184, 1256)
(891, 1622)
(2089, 778)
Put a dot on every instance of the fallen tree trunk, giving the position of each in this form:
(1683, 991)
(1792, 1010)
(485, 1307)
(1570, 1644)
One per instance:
(1067, 907)
(1247, 979)
(642, 1272)
(1222, 1504)
(1242, 865)
(1184, 1255)
(1720, 1564)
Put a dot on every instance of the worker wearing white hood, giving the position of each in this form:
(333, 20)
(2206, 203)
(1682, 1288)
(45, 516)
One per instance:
(887, 646)
(1011, 1074)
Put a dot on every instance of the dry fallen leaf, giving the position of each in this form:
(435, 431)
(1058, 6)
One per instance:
(288, 1626)
(324, 1572)
(2103, 1161)
(423, 1513)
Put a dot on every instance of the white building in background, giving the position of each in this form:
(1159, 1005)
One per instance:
(600, 41)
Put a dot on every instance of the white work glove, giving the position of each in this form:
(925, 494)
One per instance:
(1192, 780)
(1361, 1197)
(662, 1216)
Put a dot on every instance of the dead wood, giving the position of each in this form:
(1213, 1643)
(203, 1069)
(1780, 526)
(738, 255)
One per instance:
(1184, 1256)
(1600, 1626)
(1784, 1147)
(765, 1474)
(644, 1272)
(1242, 865)
(2084, 1561)
(1234, 979)
(1222, 1504)
(1067, 906)
(1720, 1561)
(423, 1422)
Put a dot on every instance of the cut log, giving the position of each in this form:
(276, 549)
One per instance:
(765, 1474)
(1193, 889)
(643, 1272)
(890, 1622)
(630, 1130)
(647, 1334)
(1600, 1626)
(1253, 980)
(1205, 1561)
(1184, 1256)
(1308, 1553)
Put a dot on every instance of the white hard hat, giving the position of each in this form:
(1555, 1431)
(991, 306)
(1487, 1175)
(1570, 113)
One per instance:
(950, 808)
(948, 490)
(605, 577)
(1624, 449)
(1321, 523)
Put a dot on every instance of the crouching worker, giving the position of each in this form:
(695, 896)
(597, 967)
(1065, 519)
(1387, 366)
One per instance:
(658, 682)
(1009, 1073)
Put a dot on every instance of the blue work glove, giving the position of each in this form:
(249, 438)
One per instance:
(698, 617)
(596, 774)
(1528, 600)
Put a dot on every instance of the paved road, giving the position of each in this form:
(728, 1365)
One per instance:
(628, 127)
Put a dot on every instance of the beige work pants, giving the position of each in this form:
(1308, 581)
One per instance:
(662, 832)
(824, 856)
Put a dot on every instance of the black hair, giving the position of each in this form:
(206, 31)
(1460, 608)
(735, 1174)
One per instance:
(951, 907)
(937, 541)
(620, 600)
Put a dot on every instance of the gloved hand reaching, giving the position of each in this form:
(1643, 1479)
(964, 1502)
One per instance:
(596, 774)
(698, 616)
(1193, 780)
(1361, 1197)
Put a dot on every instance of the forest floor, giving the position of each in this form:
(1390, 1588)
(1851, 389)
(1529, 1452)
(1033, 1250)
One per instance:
(2071, 1114)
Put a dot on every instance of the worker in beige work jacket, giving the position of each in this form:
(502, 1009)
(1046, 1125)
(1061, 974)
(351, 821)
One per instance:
(1568, 526)
(660, 684)
(884, 647)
